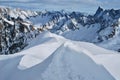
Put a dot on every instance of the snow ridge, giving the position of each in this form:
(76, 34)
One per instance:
(63, 60)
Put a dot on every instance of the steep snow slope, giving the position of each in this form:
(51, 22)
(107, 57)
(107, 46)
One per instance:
(84, 33)
(51, 57)
(113, 43)
(111, 63)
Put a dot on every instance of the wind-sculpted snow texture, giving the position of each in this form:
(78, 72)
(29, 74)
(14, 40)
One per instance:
(57, 58)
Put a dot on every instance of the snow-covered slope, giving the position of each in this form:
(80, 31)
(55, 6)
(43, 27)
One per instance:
(52, 57)
(87, 33)
(113, 43)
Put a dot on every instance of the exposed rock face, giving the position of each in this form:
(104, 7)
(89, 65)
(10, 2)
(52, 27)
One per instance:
(98, 12)
(14, 31)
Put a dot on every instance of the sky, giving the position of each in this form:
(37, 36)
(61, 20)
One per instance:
(88, 6)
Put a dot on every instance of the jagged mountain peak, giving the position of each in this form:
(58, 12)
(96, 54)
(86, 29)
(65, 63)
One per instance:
(107, 13)
(99, 11)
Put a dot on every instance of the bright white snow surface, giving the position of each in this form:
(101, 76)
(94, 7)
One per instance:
(52, 57)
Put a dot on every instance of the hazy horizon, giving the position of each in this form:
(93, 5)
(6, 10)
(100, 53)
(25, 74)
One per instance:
(87, 6)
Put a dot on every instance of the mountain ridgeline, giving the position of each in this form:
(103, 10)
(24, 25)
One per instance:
(18, 27)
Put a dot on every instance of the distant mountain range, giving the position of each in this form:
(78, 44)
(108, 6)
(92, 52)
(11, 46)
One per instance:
(18, 27)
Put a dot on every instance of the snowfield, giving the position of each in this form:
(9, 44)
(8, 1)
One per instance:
(52, 57)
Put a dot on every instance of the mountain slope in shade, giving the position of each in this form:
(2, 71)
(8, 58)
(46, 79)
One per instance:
(51, 57)
(15, 30)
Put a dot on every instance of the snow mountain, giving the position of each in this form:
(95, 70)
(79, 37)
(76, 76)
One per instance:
(102, 28)
(59, 22)
(59, 45)
(15, 31)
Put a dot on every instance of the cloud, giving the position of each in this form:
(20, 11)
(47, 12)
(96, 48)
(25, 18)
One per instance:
(70, 5)
(111, 4)
(58, 1)
(90, 2)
